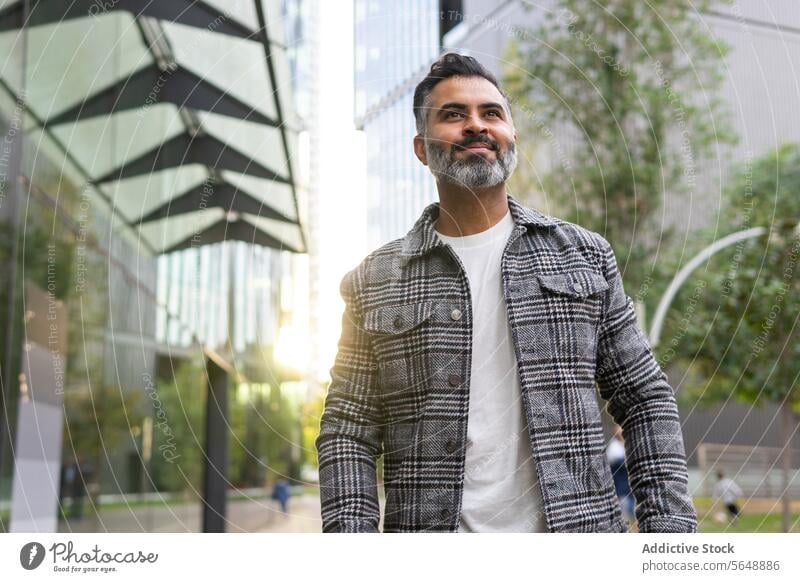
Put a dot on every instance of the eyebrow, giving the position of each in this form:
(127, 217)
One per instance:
(461, 106)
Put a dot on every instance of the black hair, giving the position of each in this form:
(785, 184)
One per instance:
(449, 65)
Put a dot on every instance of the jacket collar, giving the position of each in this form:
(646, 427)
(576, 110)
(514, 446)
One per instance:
(422, 237)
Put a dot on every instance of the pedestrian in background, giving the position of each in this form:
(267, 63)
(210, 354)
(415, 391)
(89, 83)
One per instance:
(616, 459)
(729, 492)
(280, 493)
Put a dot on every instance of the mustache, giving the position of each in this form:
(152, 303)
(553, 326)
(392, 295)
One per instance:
(462, 145)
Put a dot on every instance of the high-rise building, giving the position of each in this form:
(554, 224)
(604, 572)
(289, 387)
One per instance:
(395, 43)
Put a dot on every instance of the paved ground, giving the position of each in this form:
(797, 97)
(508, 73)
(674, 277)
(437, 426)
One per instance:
(261, 514)
(303, 516)
(251, 515)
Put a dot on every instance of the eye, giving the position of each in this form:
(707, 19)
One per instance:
(494, 112)
(449, 113)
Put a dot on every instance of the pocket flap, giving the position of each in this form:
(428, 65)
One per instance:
(579, 284)
(397, 319)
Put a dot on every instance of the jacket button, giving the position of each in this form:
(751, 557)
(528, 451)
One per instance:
(454, 379)
(455, 315)
(577, 287)
(399, 321)
(451, 446)
(445, 513)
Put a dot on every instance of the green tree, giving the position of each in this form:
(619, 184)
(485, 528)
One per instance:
(742, 339)
(624, 93)
(282, 437)
(311, 413)
(178, 429)
(247, 428)
(266, 435)
(98, 420)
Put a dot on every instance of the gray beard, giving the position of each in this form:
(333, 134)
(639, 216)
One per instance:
(473, 171)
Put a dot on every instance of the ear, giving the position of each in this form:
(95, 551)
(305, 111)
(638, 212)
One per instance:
(419, 149)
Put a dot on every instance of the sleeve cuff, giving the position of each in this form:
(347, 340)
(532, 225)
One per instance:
(666, 524)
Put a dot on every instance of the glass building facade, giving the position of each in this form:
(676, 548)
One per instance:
(394, 46)
(149, 213)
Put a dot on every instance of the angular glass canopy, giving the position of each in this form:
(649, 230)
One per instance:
(178, 112)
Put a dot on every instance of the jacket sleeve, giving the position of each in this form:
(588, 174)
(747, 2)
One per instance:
(351, 430)
(641, 401)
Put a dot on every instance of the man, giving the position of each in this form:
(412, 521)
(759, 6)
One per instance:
(470, 350)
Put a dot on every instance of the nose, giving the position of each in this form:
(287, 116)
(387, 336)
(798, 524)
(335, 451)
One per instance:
(474, 124)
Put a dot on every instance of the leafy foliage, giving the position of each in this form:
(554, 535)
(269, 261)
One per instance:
(178, 429)
(624, 94)
(742, 338)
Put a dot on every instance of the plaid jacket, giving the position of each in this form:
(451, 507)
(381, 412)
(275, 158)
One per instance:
(400, 385)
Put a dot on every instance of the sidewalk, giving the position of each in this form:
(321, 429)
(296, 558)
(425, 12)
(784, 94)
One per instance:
(303, 517)
(250, 515)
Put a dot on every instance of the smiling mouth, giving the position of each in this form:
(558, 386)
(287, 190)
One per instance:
(477, 147)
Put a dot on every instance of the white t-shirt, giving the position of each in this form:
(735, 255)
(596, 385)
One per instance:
(501, 486)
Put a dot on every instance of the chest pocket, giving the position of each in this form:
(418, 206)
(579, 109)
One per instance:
(395, 320)
(576, 298)
(575, 284)
(400, 337)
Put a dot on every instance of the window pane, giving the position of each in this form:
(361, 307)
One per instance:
(71, 60)
(234, 65)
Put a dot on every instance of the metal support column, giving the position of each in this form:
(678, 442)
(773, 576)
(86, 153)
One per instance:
(215, 477)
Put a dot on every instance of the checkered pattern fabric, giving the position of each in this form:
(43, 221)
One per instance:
(400, 385)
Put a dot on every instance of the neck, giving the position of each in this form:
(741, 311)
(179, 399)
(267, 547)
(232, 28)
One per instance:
(463, 212)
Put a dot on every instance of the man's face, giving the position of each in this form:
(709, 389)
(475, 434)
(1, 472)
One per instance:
(470, 137)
